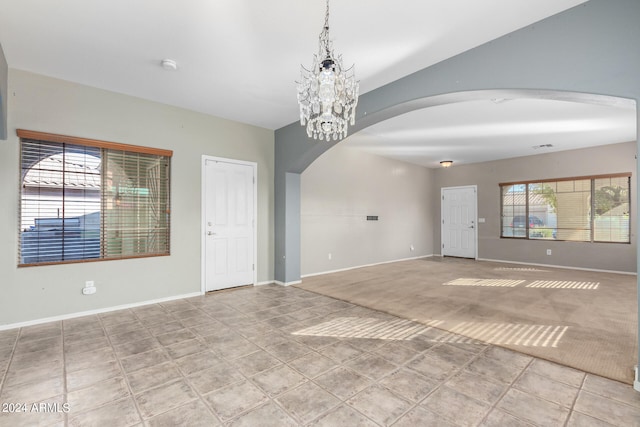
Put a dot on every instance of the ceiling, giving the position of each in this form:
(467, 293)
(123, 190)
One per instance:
(239, 59)
(494, 125)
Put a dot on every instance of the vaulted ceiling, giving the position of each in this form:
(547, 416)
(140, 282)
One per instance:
(239, 59)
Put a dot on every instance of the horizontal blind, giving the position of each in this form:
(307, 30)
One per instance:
(135, 204)
(612, 209)
(60, 202)
(583, 209)
(514, 210)
(572, 209)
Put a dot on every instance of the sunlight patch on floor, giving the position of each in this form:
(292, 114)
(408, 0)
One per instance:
(563, 284)
(520, 269)
(450, 338)
(364, 327)
(464, 332)
(512, 333)
(512, 283)
(507, 283)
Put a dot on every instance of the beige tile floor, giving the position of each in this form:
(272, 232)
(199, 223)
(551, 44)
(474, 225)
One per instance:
(247, 357)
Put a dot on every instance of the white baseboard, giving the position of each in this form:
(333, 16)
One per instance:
(366, 265)
(477, 259)
(558, 266)
(97, 311)
(267, 282)
(636, 381)
(295, 282)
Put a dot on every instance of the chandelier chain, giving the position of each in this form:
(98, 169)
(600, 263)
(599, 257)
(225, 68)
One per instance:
(326, 18)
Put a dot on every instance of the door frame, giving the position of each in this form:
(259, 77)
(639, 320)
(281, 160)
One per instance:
(203, 221)
(442, 231)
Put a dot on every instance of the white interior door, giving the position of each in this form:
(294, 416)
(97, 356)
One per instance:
(459, 234)
(228, 224)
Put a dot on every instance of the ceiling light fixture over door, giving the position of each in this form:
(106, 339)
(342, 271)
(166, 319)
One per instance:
(327, 93)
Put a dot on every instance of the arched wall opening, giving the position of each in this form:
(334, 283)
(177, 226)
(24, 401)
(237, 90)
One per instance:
(592, 135)
(587, 49)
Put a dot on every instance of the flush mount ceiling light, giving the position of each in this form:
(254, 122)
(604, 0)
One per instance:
(327, 93)
(446, 163)
(169, 64)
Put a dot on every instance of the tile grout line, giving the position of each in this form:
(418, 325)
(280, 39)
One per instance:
(124, 374)
(484, 350)
(445, 379)
(180, 370)
(249, 379)
(264, 349)
(443, 382)
(184, 376)
(510, 387)
(274, 398)
(575, 399)
(343, 402)
(461, 369)
(283, 363)
(413, 404)
(285, 331)
(612, 399)
(6, 370)
(65, 388)
(245, 377)
(418, 402)
(376, 382)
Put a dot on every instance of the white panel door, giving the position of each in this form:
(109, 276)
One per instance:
(228, 224)
(459, 222)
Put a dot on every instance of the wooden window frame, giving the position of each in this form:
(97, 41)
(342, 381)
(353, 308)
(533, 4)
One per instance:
(65, 139)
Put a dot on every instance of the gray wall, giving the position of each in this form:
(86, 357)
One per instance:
(345, 185)
(591, 48)
(49, 105)
(4, 77)
(589, 161)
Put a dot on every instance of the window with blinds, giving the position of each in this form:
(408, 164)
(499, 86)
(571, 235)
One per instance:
(583, 209)
(83, 200)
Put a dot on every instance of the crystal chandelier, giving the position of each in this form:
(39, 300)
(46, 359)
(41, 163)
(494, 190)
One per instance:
(327, 93)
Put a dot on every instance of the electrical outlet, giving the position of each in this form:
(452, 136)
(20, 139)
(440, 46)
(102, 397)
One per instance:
(89, 288)
(548, 251)
(411, 248)
(329, 256)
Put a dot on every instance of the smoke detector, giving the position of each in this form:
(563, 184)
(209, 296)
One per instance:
(169, 64)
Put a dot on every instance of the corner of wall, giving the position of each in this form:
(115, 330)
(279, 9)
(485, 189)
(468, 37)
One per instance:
(4, 87)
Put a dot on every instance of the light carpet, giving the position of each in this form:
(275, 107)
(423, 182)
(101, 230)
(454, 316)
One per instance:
(582, 319)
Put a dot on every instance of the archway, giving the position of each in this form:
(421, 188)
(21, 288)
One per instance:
(587, 49)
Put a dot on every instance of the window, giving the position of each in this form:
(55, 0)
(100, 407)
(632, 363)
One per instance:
(584, 209)
(83, 200)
